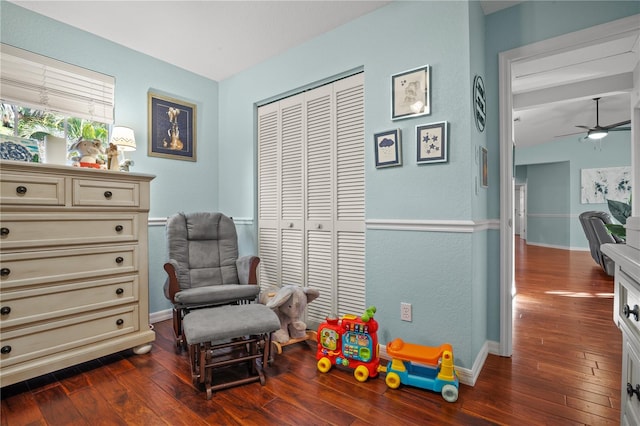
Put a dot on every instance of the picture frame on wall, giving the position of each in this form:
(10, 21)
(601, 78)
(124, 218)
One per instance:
(411, 93)
(432, 143)
(172, 128)
(388, 148)
(484, 167)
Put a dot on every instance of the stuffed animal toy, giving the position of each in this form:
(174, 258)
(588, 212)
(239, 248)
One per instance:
(89, 151)
(289, 303)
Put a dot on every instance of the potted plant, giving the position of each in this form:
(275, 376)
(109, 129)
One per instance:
(621, 211)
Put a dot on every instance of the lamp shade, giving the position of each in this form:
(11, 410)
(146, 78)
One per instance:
(123, 138)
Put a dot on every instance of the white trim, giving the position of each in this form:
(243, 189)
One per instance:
(558, 247)
(160, 316)
(457, 226)
(162, 221)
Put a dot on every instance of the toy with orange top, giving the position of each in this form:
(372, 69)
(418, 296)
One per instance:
(426, 367)
(351, 342)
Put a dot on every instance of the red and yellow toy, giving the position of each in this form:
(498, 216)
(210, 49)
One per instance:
(351, 342)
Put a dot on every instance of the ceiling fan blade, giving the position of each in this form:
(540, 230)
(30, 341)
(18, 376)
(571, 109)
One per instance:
(584, 127)
(568, 134)
(619, 129)
(611, 126)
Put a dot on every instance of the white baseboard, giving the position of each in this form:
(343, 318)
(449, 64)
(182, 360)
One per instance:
(160, 316)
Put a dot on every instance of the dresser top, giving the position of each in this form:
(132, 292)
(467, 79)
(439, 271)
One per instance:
(87, 173)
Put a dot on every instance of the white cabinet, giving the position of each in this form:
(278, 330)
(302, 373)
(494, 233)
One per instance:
(626, 314)
(73, 267)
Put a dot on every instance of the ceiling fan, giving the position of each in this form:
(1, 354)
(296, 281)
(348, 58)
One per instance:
(599, 132)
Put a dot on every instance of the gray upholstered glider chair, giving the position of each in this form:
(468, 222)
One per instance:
(203, 267)
(593, 223)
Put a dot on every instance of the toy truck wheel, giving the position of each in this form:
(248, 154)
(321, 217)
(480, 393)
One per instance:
(392, 380)
(450, 393)
(361, 373)
(324, 365)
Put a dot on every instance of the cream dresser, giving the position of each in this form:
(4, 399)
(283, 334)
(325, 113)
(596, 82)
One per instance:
(626, 315)
(73, 267)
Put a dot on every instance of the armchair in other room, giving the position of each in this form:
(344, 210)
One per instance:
(593, 223)
(204, 269)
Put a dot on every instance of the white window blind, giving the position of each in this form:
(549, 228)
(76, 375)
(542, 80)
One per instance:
(44, 83)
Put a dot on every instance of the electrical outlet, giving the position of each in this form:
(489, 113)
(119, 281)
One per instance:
(405, 311)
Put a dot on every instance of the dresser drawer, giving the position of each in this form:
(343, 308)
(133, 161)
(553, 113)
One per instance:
(105, 194)
(45, 267)
(39, 230)
(45, 303)
(628, 306)
(45, 339)
(31, 189)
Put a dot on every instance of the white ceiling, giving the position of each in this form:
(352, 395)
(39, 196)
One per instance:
(218, 39)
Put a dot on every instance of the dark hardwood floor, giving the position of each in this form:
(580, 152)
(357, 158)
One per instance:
(565, 370)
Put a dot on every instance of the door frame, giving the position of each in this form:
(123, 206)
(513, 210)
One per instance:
(555, 45)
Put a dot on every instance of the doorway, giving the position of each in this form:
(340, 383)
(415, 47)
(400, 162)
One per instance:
(565, 44)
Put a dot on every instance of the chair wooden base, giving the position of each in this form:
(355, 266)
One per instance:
(205, 357)
(310, 335)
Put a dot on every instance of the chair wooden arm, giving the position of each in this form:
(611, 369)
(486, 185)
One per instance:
(253, 270)
(174, 287)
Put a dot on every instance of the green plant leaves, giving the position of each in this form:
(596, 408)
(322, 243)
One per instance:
(621, 211)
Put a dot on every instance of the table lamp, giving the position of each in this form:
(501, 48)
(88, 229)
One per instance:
(122, 139)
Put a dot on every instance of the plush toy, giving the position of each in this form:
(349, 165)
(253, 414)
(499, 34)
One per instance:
(289, 303)
(89, 151)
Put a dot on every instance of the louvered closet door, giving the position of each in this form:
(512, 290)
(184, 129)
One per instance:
(292, 191)
(269, 134)
(319, 109)
(349, 223)
(311, 195)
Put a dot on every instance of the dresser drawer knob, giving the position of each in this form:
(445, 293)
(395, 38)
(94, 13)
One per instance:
(631, 390)
(5, 310)
(120, 321)
(21, 190)
(628, 311)
(4, 231)
(119, 291)
(119, 259)
(5, 272)
(5, 349)
(108, 194)
(119, 228)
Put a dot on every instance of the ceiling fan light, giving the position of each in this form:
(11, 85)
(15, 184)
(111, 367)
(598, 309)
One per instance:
(597, 134)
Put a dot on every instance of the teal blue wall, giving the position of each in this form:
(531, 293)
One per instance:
(452, 278)
(400, 265)
(557, 223)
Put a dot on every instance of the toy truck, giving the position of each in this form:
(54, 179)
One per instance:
(426, 367)
(350, 342)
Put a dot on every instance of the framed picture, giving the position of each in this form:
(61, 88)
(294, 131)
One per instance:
(172, 128)
(432, 142)
(411, 93)
(388, 148)
(19, 149)
(484, 168)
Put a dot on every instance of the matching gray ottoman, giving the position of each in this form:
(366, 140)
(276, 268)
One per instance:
(245, 329)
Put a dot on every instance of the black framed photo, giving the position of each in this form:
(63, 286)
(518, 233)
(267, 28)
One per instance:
(432, 143)
(172, 128)
(411, 93)
(388, 148)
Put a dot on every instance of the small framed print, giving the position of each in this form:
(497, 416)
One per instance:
(432, 141)
(484, 167)
(388, 148)
(172, 128)
(411, 93)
